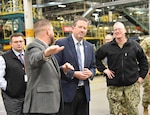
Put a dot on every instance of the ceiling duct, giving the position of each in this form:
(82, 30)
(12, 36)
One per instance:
(55, 3)
(118, 2)
(113, 3)
(89, 12)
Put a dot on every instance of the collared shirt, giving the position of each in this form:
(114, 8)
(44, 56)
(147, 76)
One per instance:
(3, 82)
(17, 53)
(81, 48)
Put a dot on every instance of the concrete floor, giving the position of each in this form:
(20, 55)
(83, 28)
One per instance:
(98, 105)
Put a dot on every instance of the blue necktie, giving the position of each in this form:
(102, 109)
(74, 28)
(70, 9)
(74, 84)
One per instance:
(79, 56)
(81, 83)
(21, 58)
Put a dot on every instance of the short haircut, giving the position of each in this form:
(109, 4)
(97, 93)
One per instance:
(41, 24)
(16, 35)
(76, 19)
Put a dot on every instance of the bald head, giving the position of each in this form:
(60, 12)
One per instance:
(119, 24)
(119, 30)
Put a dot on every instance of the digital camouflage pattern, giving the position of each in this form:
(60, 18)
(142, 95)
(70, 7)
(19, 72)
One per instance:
(145, 44)
(118, 96)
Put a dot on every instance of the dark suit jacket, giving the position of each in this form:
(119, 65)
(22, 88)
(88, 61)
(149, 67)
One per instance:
(69, 85)
(43, 94)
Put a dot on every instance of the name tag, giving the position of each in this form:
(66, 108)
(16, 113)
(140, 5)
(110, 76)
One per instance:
(25, 78)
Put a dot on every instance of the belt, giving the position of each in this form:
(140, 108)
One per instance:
(80, 87)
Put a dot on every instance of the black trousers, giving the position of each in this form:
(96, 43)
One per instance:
(42, 114)
(59, 113)
(13, 106)
(38, 114)
(79, 105)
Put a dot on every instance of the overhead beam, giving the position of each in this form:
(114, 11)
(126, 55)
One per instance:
(113, 3)
(65, 12)
(118, 2)
(55, 3)
(88, 12)
(136, 22)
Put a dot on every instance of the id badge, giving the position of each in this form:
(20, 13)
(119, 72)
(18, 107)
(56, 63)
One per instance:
(25, 78)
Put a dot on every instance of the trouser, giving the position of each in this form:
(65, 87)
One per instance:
(128, 96)
(13, 106)
(79, 105)
(146, 92)
(39, 114)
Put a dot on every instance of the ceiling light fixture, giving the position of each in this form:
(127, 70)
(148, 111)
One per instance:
(61, 5)
(98, 10)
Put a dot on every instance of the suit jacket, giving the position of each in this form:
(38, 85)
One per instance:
(69, 85)
(43, 94)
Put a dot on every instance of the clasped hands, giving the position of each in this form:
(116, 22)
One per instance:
(83, 75)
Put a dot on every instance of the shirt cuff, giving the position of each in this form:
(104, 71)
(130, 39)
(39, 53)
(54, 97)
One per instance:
(45, 58)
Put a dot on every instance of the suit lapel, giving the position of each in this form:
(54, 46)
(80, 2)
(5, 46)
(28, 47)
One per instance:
(55, 63)
(73, 49)
(86, 53)
(53, 60)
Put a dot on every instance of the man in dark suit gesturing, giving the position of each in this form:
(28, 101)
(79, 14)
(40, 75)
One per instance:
(79, 53)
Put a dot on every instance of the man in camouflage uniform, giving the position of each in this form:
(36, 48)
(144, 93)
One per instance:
(145, 44)
(127, 67)
(109, 38)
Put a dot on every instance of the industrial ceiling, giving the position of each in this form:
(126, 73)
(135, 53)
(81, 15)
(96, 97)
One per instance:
(82, 7)
(51, 9)
(93, 10)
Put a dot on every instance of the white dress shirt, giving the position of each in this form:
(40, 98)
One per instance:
(81, 82)
(3, 82)
(81, 49)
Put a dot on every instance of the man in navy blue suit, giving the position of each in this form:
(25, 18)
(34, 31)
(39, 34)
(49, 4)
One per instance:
(76, 89)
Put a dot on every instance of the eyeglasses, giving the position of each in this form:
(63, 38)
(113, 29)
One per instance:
(118, 29)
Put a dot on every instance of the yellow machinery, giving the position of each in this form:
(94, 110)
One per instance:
(11, 20)
(95, 35)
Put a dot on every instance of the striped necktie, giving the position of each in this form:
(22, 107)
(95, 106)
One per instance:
(21, 58)
(81, 83)
(79, 55)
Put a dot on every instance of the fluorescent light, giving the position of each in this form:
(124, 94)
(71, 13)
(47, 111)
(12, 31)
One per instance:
(95, 14)
(98, 10)
(62, 6)
(120, 17)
